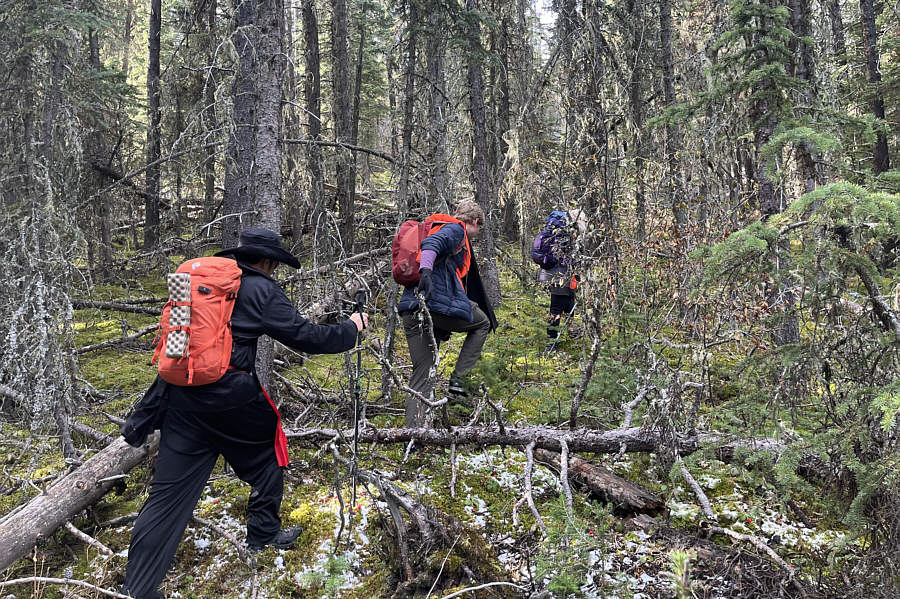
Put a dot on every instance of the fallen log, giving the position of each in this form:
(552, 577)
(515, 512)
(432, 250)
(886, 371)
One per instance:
(22, 529)
(624, 495)
(634, 439)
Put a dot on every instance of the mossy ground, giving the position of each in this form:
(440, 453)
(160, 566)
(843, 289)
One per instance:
(582, 555)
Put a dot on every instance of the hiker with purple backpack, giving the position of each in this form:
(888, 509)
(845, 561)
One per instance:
(552, 250)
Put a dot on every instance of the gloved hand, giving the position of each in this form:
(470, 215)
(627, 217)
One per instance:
(425, 283)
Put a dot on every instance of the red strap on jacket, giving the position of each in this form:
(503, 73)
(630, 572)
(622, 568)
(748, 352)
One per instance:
(281, 450)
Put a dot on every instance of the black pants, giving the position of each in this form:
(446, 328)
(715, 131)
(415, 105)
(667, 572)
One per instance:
(189, 446)
(559, 304)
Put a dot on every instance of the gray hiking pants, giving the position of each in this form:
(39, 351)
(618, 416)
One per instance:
(422, 353)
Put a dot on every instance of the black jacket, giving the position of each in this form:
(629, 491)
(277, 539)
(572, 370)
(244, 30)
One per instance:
(261, 308)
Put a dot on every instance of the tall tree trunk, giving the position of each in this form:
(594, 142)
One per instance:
(510, 223)
(491, 277)
(154, 151)
(267, 200)
(239, 179)
(345, 172)
(357, 80)
(838, 43)
(210, 123)
(312, 93)
(98, 154)
(438, 197)
(295, 208)
(880, 159)
(409, 97)
(804, 69)
(636, 102)
(679, 205)
(270, 68)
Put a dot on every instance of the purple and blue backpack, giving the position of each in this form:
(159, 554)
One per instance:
(548, 248)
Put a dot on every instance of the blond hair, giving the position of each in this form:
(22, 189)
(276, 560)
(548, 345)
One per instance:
(470, 212)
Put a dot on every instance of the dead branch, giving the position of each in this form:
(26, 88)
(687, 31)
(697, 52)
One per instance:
(84, 304)
(88, 539)
(241, 549)
(529, 496)
(63, 581)
(762, 546)
(698, 492)
(112, 342)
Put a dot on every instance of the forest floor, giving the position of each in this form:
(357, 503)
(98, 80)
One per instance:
(349, 549)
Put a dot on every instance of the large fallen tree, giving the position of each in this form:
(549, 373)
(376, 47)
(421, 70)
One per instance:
(42, 516)
(22, 529)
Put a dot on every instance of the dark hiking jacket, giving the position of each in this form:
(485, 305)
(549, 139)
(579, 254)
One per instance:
(450, 296)
(261, 308)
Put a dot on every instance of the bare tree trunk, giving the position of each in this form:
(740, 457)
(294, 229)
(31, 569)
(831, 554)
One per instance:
(804, 69)
(154, 150)
(345, 173)
(678, 201)
(491, 277)
(209, 120)
(409, 99)
(313, 93)
(270, 68)
(438, 198)
(881, 158)
(239, 179)
(267, 201)
(636, 100)
(838, 44)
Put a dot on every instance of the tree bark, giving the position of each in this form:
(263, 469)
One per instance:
(42, 516)
(312, 93)
(880, 159)
(439, 112)
(491, 276)
(409, 96)
(239, 182)
(154, 151)
(345, 170)
(623, 494)
(804, 69)
(210, 123)
(677, 199)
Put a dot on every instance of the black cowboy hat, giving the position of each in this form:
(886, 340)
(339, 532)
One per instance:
(261, 243)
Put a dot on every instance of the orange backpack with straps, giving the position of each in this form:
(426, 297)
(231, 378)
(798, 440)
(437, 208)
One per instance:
(406, 249)
(194, 339)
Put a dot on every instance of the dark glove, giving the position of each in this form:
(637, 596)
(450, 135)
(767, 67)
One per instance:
(424, 283)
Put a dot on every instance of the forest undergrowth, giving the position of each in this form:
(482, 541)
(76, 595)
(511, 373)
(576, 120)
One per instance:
(792, 532)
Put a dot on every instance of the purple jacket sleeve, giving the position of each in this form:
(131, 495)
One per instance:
(427, 259)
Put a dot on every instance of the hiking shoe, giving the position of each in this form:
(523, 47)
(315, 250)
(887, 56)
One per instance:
(457, 387)
(283, 539)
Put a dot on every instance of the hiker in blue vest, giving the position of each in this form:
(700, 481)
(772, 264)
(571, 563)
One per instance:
(552, 251)
(456, 301)
(233, 417)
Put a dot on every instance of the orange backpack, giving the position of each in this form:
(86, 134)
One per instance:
(406, 249)
(194, 340)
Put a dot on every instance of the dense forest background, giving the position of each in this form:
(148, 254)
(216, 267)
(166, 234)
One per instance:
(737, 337)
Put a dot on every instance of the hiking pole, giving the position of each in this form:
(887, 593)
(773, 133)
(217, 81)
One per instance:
(360, 300)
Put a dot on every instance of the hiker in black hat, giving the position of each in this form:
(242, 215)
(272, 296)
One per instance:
(233, 417)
